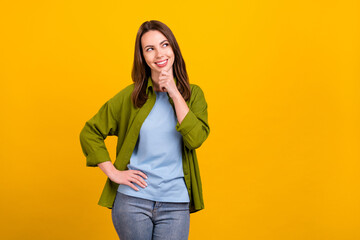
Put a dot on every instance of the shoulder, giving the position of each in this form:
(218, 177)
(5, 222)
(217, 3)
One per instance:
(194, 87)
(197, 98)
(196, 91)
(124, 93)
(121, 100)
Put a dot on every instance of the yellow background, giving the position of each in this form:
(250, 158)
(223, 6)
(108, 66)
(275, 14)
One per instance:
(282, 82)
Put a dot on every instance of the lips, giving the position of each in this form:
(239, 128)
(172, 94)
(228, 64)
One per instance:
(161, 62)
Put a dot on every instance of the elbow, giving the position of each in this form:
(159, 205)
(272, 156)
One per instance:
(193, 143)
(84, 141)
(82, 135)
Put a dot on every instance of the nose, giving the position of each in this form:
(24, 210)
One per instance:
(159, 54)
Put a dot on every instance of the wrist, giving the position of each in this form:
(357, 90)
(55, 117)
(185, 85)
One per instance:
(176, 95)
(112, 173)
(108, 168)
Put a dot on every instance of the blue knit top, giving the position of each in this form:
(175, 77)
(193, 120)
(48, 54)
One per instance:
(158, 154)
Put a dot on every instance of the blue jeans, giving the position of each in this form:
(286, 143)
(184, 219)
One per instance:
(141, 219)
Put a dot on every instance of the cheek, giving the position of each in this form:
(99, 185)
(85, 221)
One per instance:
(148, 58)
(171, 54)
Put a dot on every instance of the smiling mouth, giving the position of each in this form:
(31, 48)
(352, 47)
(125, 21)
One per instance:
(162, 62)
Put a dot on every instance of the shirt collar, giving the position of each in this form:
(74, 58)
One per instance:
(150, 84)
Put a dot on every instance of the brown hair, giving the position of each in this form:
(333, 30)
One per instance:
(141, 71)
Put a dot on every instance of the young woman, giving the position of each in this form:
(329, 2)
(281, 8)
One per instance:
(160, 119)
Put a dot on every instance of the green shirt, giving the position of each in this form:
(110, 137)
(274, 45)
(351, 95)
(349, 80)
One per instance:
(119, 117)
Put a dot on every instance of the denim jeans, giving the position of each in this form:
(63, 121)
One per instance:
(141, 219)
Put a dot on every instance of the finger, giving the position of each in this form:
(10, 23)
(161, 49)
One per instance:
(163, 83)
(137, 179)
(142, 182)
(140, 173)
(139, 182)
(162, 88)
(132, 186)
(163, 77)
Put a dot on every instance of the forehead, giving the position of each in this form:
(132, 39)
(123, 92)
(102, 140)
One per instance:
(152, 37)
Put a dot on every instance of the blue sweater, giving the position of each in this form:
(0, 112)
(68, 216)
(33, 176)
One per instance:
(158, 154)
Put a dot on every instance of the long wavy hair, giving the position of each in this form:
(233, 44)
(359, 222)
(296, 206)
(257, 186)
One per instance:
(141, 71)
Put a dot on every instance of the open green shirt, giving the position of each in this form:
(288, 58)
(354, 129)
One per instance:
(119, 117)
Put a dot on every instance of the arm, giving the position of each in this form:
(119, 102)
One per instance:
(108, 168)
(181, 109)
(92, 136)
(194, 126)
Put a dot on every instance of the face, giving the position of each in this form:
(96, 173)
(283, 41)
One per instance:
(157, 51)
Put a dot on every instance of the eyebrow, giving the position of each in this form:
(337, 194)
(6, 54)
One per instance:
(153, 45)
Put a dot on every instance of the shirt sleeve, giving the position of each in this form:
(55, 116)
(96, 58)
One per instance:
(104, 123)
(194, 127)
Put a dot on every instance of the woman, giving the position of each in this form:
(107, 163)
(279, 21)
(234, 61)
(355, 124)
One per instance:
(160, 119)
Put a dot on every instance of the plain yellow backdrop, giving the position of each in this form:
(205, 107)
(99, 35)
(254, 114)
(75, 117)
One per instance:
(282, 83)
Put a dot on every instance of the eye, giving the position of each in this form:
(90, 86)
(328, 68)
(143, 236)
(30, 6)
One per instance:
(166, 44)
(148, 49)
